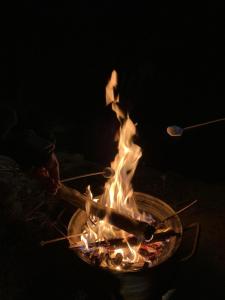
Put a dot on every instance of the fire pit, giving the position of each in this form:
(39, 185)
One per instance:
(125, 253)
(121, 230)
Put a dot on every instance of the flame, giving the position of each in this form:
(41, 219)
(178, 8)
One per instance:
(118, 191)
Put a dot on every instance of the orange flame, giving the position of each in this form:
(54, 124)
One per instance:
(118, 190)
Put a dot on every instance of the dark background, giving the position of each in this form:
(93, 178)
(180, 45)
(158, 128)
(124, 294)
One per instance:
(55, 60)
(56, 57)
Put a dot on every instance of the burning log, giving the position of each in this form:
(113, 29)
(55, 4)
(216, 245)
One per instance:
(139, 229)
(152, 242)
(160, 235)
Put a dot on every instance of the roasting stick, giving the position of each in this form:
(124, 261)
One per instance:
(107, 173)
(43, 243)
(179, 211)
(178, 131)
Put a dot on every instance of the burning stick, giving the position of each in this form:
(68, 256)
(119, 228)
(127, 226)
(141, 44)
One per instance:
(160, 235)
(139, 229)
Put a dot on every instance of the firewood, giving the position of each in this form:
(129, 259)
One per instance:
(140, 229)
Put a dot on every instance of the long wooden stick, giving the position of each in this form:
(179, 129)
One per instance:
(43, 243)
(139, 229)
(81, 176)
(180, 211)
(203, 124)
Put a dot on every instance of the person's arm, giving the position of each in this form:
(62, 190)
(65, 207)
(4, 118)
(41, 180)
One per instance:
(29, 149)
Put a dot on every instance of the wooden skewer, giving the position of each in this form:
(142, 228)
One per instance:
(82, 176)
(180, 211)
(43, 243)
(107, 173)
(178, 131)
(139, 229)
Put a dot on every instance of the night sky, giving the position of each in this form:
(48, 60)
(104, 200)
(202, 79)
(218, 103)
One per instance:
(56, 58)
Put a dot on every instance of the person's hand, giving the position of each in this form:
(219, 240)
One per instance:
(52, 167)
(49, 174)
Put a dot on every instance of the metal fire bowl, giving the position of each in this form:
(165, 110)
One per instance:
(158, 209)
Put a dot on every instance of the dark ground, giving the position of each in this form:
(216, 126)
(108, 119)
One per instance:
(55, 61)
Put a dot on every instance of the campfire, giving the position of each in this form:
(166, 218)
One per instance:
(96, 238)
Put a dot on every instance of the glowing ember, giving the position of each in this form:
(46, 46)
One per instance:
(118, 194)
